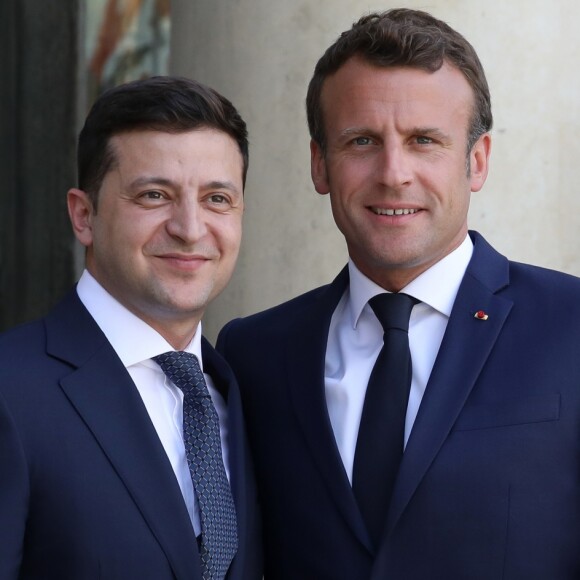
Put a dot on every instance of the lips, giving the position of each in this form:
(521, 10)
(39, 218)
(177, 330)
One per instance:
(185, 262)
(391, 212)
(184, 257)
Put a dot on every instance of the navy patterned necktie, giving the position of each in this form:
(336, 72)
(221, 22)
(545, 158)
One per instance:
(380, 442)
(201, 436)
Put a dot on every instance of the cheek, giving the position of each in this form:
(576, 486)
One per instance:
(141, 230)
(347, 174)
(228, 234)
(235, 240)
(346, 209)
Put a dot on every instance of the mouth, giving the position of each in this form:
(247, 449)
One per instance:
(184, 262)
(390, 212)
(184, 257)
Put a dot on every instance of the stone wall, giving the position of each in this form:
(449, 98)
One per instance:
(261, 54)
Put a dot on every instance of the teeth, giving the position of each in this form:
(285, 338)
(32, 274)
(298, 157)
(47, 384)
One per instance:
(394, 211)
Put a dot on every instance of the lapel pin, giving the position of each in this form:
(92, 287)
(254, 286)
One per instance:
(480, 315)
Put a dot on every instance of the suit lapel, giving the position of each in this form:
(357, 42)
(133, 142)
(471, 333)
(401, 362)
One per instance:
(104, 395)
(306, 353)
(464, 350)
(239, 464)
(224, 381)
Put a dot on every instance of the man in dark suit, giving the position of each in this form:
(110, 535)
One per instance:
(122, 446)
(469, 467)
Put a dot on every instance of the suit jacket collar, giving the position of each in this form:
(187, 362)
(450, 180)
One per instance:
(102, 392)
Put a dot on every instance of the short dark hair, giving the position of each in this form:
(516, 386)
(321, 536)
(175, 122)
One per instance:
(402, 37)
(161, 103)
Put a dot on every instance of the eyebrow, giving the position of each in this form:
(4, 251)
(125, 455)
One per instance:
(229, 185)
(356, 131)
(156, 180)
(430, 131)
(427, 131)
(151, 180)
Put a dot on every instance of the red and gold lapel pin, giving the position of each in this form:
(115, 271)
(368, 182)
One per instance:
(480, 315)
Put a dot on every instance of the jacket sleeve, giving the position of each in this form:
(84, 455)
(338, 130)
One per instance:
(14, 492)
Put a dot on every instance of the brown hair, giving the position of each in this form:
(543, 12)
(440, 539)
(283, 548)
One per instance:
(402, 37)
(163, 103)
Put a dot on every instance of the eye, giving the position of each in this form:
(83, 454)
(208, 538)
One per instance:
(422, 140)
(152, 198)
(152, 195)
(218, 198)
(362, 141)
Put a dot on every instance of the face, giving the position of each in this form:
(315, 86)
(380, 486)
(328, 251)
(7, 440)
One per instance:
(166, 236)
(396, 165)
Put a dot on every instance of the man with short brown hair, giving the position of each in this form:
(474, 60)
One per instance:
(418, 418)
(122, 446)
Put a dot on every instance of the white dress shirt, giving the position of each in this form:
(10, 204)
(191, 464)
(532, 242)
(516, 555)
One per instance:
(355, 339)
(136, 343)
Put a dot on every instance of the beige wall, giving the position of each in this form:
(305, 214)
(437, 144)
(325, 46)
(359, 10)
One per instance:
(261, 54)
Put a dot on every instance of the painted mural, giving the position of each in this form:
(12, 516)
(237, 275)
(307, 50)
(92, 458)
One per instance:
(125, 40)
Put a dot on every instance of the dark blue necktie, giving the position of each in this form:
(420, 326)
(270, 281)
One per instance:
(380, 442)
(201, 436)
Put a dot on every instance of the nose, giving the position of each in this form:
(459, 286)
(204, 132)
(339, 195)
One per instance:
(187, 221)
(394, 166)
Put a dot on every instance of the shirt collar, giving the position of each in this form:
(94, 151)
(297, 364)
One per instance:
(436, 287)
(122, 327)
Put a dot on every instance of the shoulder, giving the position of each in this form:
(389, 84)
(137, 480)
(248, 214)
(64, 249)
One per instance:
(276, 320)
(544, 294)
(515, 279)
(25, 340)
(37, 351)
(543, 278)
(23, 361)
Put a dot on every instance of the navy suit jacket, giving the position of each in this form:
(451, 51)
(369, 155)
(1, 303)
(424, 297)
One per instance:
(489, 485)
(86, 489)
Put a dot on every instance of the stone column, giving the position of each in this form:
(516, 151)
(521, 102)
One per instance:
(261, 54)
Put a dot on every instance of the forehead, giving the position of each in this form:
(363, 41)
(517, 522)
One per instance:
(361, 90)
(198, 148)
(127, 141)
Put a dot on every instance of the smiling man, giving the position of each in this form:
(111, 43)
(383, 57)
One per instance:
(122, 446)
(418, 418)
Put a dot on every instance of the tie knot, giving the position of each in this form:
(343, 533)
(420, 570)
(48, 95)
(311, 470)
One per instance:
(393, 310)
(183, 369)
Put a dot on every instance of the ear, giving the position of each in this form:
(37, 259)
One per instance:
(318, 168)
(479, 161)
(80, 211)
